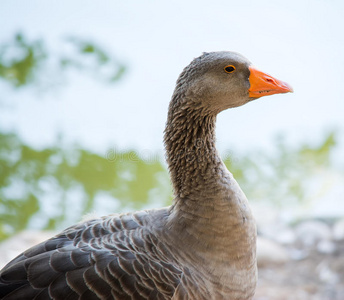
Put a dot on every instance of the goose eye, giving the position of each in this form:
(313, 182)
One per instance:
(229, 69)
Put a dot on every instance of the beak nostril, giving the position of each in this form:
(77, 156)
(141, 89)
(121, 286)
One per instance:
(269, 80)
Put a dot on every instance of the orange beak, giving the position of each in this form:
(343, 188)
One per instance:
(263, 84)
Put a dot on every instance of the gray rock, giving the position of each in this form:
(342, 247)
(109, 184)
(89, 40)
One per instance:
(326, 274)
(285, 236)
(326, 247)
(270, 253)
(338, 230)
(298, 254)
(311, 232)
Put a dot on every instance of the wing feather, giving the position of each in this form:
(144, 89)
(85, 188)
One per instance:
(116, 257)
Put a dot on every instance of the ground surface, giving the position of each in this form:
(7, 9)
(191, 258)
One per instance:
(316, 277)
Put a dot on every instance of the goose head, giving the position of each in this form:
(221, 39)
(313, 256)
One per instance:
(217, 81)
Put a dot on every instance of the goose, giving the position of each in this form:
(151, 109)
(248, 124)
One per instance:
(203, 246)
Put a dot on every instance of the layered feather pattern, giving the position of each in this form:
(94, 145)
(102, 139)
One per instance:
(115, 257)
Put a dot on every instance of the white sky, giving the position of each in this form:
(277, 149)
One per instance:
(300, 42)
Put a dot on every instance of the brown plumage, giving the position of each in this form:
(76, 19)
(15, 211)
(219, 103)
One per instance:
(201, 247)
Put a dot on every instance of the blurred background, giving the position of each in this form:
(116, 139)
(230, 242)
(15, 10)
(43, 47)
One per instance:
(84, 92)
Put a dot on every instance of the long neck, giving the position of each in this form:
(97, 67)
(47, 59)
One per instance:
(194, 164)
(210, 211)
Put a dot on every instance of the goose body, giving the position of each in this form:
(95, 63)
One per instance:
(201, 247)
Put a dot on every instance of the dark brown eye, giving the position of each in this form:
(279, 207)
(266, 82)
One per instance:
(229, 69)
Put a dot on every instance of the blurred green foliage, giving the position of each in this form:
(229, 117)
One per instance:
(32, 181)
(24, 62)
(285, 177)
(29, 176)
(20, 60)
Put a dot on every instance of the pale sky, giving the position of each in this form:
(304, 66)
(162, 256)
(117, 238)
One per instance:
(300, 42)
